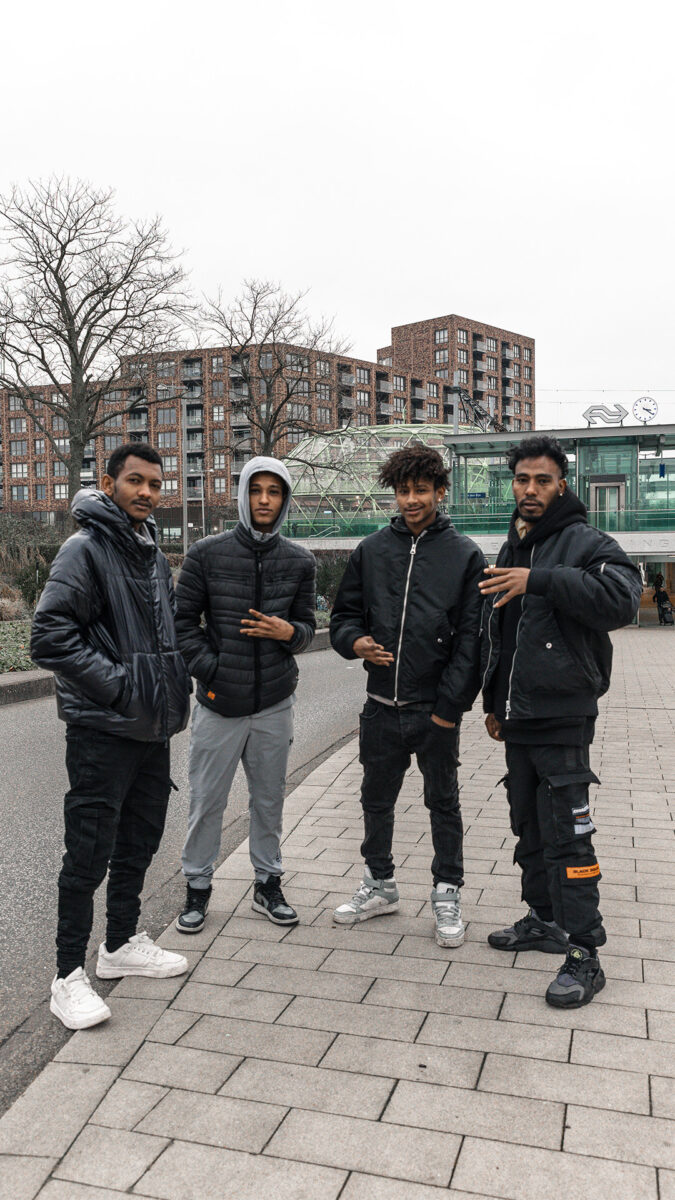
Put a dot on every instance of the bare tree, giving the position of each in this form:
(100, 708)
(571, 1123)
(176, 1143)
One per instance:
(275, 345)
(85, 297)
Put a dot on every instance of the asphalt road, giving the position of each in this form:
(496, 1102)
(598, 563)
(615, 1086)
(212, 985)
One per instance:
(32, 783)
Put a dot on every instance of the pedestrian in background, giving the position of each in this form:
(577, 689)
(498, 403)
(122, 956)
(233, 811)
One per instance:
(558, 587)
(245, 608)
(105, 626)
(408, 605)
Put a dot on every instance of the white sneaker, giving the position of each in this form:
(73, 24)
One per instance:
(371, 899)
(447, 915)
(139, 956)
(75, 1002)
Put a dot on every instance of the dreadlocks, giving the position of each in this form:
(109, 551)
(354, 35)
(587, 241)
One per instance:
(414, 462)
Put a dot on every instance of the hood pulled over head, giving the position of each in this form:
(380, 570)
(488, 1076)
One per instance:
(273, 466)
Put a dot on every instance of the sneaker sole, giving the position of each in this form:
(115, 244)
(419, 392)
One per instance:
(275, 920)
(354, 918)
(449, 942)
(84, 1022)
(189, 928)
(544, 946)
(560, 1002)
(144, 973)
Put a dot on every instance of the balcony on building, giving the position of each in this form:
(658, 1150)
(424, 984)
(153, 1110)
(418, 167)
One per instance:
(418, 392)
(240, 425)
(195, 416)
(137, 420)
(195, 489)
(345, 378)
(385, 409)
(239, 461)
(195, 463)
(195, 441)
(239, 395)
(508, 391)
(191, 368)
(507, 373)
(479, 346)
(382, 384)
(238, 365)
(346, 403)
(507, 353)
(480, 385)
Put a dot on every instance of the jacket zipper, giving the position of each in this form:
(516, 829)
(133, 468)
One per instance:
(489, 657)
(153, 576)
(522, 613)
(413, 551)
(256, 641)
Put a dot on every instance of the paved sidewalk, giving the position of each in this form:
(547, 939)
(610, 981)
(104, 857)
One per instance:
(369, 1064)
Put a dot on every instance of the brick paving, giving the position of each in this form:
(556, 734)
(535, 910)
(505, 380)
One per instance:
(370, 1064)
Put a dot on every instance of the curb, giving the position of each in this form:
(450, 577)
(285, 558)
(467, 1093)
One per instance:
(33, 685)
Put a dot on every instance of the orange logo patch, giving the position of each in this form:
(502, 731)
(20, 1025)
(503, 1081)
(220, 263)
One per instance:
(583, 872)
(211, 695)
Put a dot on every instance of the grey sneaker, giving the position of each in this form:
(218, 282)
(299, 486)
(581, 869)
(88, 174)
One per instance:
(530, 933)
(447, 915)
(373, 898)
(192, 918)
(577, 981)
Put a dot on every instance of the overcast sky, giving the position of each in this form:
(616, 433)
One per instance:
(511, 162)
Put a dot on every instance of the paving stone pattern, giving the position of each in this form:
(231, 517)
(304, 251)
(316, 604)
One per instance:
(321, 1062)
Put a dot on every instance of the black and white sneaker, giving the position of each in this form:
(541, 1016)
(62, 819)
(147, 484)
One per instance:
(192, 918)
(268, 898)
(530, 933)
(577, 981)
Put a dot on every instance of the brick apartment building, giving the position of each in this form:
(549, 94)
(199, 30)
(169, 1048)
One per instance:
(409, 383)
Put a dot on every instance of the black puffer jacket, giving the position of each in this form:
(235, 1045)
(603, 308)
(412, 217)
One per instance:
(581, 585)
(419, 599)
(105, 626)
(222, 578)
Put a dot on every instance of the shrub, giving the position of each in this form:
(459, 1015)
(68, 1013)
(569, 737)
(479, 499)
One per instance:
(15, 646)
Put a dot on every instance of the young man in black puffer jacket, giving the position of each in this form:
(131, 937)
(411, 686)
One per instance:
(256, 592)
(558, 587)
(409, 606)
(105, 626)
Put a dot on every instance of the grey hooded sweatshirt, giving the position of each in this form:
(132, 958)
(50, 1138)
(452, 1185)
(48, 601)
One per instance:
(225, 576)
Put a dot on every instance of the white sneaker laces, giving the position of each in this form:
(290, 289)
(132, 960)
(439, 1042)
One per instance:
(80, 991)
(146, 946)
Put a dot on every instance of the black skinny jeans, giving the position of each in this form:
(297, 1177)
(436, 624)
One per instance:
(548, 800)
(387, 738)
(114, 814)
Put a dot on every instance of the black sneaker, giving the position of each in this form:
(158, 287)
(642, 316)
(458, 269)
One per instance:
(268, 898)
(192, 918)
(577, 981)
(529, 933)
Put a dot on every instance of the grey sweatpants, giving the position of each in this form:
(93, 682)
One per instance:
(261, 743)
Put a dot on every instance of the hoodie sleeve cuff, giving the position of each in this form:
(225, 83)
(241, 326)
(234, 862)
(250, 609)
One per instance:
(538, 581)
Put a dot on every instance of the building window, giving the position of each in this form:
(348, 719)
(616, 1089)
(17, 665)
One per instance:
(516, 389)
(165, 369)
(492, 381)
(165, 441)
(362, 375)
(14, 404)
(362, 397)
(112, 440)
(463, 377)
(323, 392)
(528, 409)
(266, 360)
(19, 471)
(219, 412)
(432, 389)
(528, 390)
(298, 412)
(40, 491)
(386, 362)
(432, 410)
(220, 485)
(166, 416)
(218, 388)
(440, 337)
(18, 425)
(169, 485)
(462, 336)
(442, 373)
(399, 403)
(516, 406)
(491, 344)
(114, 421)
(216, 363)
(59, 468)
(39, 446)
(63, 445)
(527, 354)
(463, 356)
(363, 419)
(20, 491)
(170, 462)
(297, 362)
(527, 424)
(323, 416)
(218, 437)
(399, 383)
(492, 403)
(322, 366)
(294, 436)
(527, 372)
(516, 423)
(491, 363)
(516, 370)
(40, 469)
(60, 491)
(441, 356)
(18, 447)
(516, 351)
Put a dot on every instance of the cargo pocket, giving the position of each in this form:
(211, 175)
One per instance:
(569, 805)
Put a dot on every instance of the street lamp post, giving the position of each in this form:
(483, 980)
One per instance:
(183, 426)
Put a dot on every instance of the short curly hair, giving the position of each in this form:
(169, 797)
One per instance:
(415, 461)
(538, 447)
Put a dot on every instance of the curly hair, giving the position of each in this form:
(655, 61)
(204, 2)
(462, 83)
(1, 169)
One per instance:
(538, 447)
(415, 462)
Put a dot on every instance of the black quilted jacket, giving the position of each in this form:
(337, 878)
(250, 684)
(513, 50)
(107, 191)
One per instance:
(222, 578)
(104, 625)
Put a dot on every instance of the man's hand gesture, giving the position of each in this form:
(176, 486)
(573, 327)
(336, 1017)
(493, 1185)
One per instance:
(261, 626)
(510, 580)
(365, 647)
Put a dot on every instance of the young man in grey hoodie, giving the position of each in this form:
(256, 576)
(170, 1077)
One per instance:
(255, 591)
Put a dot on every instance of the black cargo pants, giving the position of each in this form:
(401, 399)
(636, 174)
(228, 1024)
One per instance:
(547, 788)
(114, 815)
